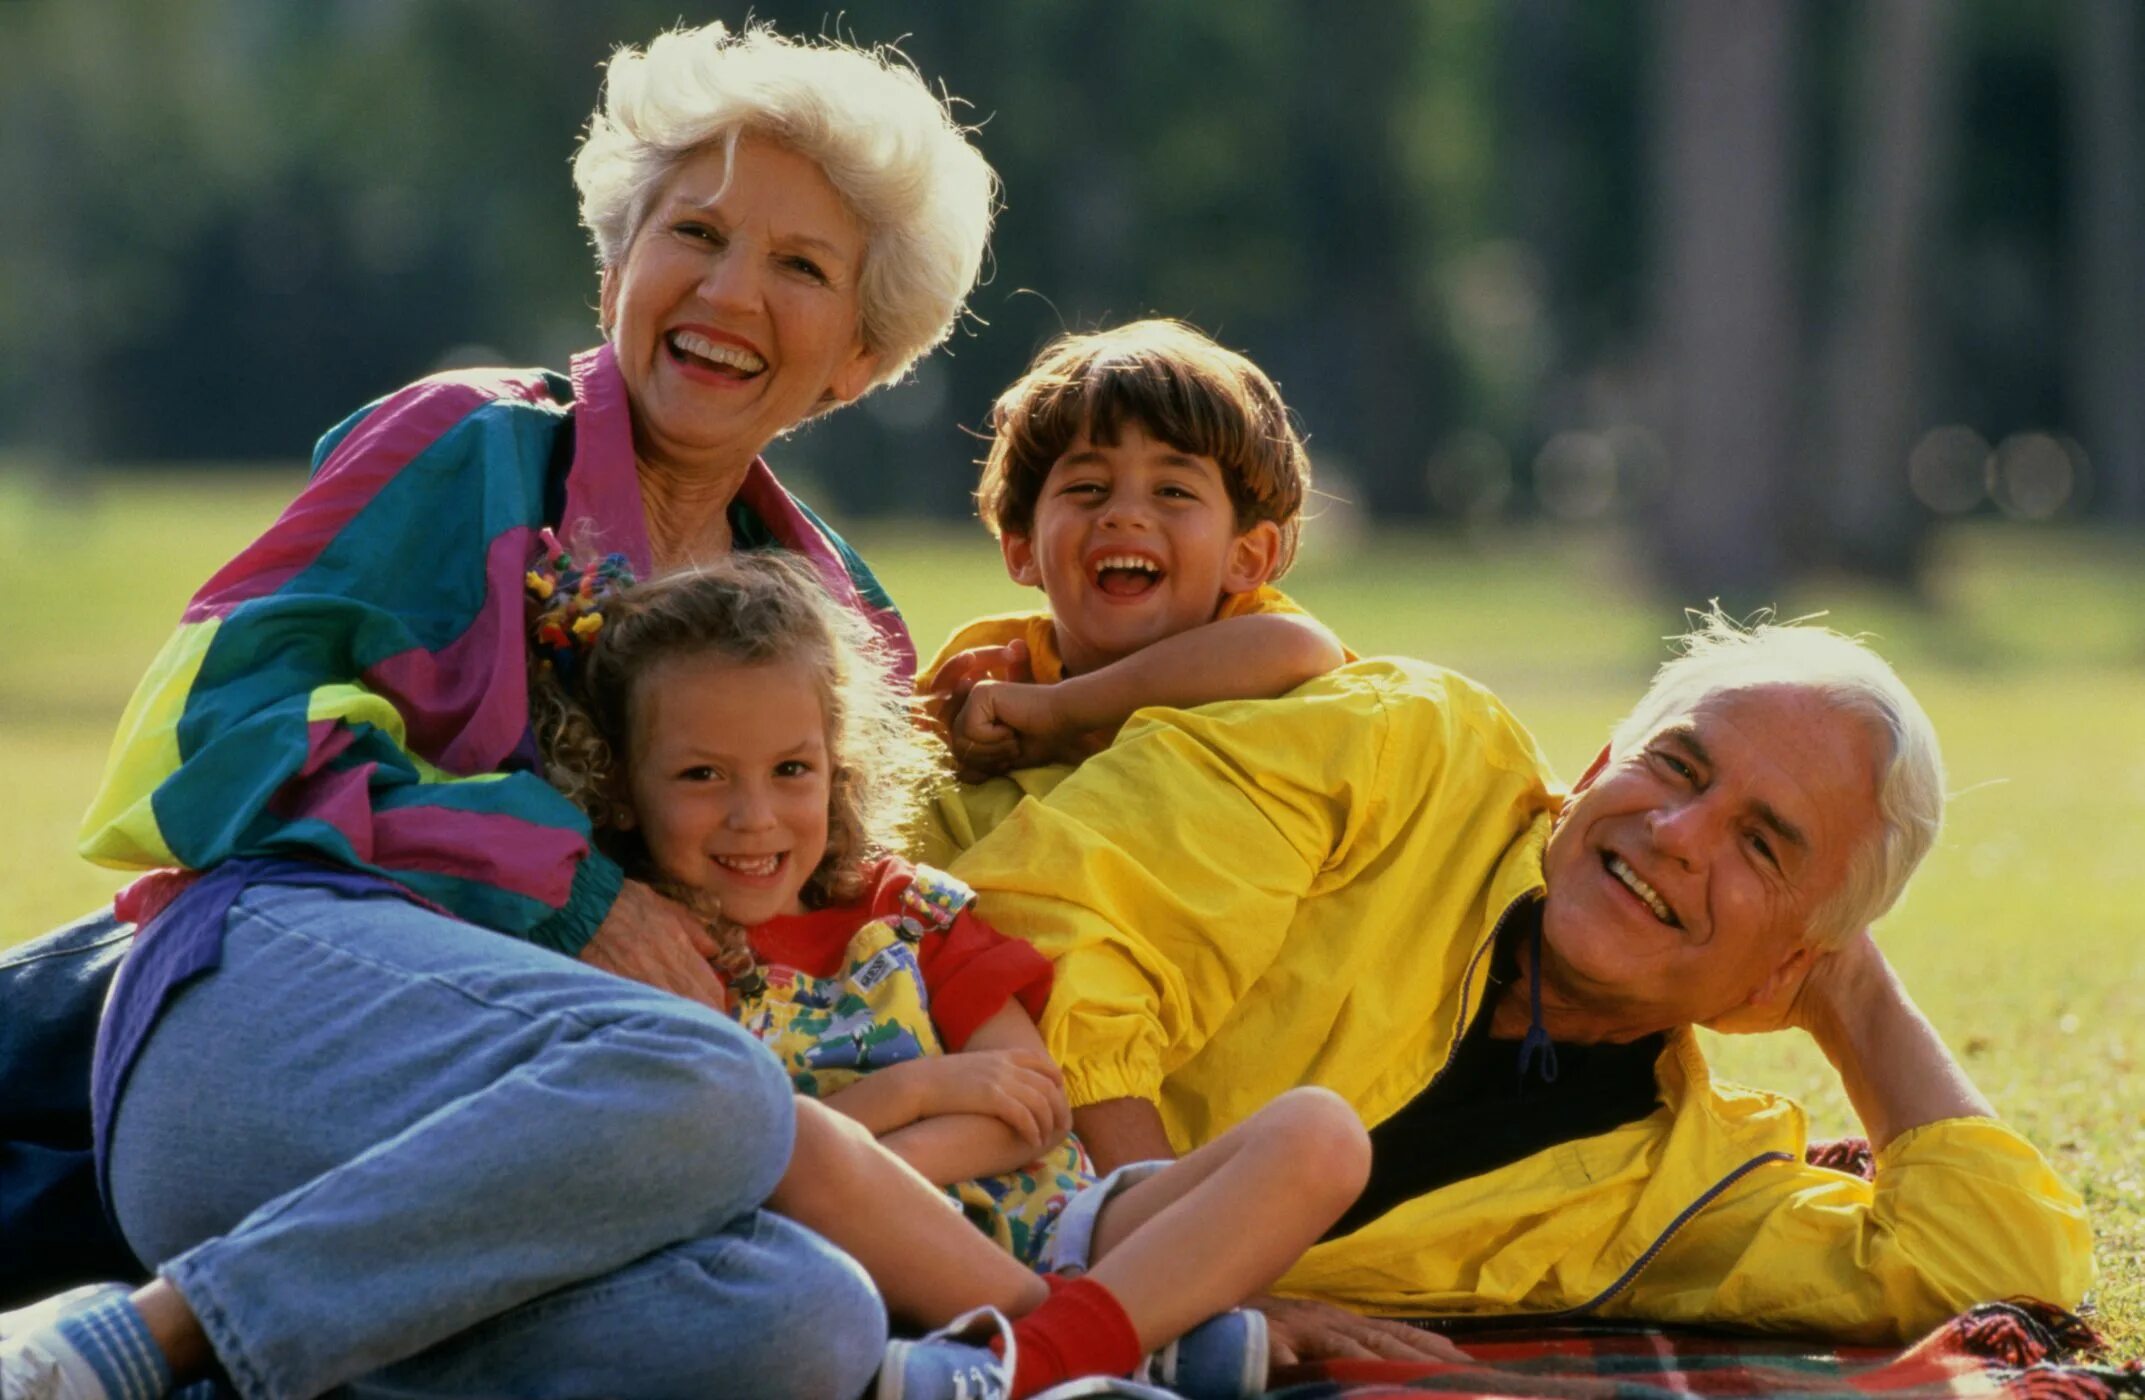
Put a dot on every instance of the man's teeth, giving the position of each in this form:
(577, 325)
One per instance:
(744, 361)
(750, 865)
(1127, 561)
(1647, 893)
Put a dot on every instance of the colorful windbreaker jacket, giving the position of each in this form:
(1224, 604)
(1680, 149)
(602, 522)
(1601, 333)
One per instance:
(1254, 895)
(353, 686)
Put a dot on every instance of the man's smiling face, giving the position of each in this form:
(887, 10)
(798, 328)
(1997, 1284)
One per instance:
(1683, 875)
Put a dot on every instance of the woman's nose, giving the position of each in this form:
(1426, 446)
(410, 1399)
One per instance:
(731, 281)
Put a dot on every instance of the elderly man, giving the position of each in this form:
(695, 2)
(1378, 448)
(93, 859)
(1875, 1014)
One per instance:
(1372, 885)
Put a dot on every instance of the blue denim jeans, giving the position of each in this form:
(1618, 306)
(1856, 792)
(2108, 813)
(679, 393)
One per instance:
(382, 1153)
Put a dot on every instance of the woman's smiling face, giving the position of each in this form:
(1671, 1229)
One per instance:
(734, 313)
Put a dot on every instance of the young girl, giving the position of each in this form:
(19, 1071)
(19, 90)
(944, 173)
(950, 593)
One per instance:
(735, 741)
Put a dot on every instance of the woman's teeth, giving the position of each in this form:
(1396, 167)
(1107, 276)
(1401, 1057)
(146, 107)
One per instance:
(727, 356)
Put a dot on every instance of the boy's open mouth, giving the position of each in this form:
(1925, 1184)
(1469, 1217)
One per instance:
(1127, 575)
(729, 361)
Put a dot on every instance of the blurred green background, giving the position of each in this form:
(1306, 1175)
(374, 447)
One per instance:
(1591, 311)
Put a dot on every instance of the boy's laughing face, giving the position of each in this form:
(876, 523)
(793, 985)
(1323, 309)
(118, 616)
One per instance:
(1133, 542)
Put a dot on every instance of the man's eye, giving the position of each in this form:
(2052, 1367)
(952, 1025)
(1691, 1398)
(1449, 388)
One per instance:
(1675, 765)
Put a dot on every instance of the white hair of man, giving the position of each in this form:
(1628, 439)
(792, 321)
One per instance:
(908, 171)
(1720, 654)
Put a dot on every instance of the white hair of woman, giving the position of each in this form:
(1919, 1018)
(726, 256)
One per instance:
(1720, 655)
(890, 147)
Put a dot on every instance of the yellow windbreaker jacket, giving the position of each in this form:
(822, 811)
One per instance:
(1256, 895)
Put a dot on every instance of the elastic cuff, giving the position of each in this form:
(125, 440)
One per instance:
(596, 883)
(1118, 1077)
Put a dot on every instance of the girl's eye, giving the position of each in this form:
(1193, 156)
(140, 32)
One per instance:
(1081, 488)
(698, 773)
(793, 768)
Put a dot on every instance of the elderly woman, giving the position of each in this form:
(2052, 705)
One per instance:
(362, 1097)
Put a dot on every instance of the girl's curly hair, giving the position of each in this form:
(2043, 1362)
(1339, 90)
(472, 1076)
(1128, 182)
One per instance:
(750, 609)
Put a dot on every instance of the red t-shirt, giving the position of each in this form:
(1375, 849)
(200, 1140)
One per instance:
(970, 969)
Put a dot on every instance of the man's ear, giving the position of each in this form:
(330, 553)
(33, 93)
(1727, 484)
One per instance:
(1252, 557)
(1019, 552)
(1593, 771)
(1785, 980)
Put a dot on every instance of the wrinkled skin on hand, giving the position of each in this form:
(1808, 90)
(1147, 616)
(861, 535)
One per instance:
(657, 941)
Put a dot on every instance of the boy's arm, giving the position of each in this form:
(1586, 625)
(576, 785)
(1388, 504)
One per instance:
(1254, 657)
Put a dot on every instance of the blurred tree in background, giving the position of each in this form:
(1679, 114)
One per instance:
(1781, 284)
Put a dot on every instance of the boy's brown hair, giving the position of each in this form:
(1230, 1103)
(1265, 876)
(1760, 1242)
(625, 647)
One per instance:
(1172, 382)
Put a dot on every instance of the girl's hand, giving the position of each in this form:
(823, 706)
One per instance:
(655, 940)
(1024, 1089)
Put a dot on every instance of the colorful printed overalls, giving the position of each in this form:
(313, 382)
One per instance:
(876, 1012)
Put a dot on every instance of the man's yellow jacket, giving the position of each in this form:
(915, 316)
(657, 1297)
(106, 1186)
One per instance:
(1251, 896)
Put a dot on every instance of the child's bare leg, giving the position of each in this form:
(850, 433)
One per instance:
(931, 1265)
(1173, 1248)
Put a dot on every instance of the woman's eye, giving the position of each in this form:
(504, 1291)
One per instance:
(807, 268)
(698, 232)
(1764, 848)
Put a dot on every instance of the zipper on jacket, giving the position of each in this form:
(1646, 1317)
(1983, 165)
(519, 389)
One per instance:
(1624, 1280)
(1467, 980)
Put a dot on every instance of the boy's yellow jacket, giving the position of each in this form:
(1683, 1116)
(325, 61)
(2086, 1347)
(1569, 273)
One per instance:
(1256, 895)
(1036, 629)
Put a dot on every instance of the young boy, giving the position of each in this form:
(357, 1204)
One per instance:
(1150, 483)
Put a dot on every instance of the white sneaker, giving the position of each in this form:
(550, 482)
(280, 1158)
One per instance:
(36, 1363)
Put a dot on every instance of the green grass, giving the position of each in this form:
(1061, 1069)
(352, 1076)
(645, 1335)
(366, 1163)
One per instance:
(2024, 938)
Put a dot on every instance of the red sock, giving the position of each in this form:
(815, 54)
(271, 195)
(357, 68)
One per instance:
(1080, 1330)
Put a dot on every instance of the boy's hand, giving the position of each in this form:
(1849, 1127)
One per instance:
(950, 687)
(1024, 1089)
(1003, 725)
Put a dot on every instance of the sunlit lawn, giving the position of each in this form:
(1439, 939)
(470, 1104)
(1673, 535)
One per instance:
(2024, 938)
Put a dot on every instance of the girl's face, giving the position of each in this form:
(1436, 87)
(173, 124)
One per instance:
(730, 779)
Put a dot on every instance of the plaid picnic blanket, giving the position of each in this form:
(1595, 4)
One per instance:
(2022, 1349)
(2017, 1349)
